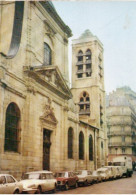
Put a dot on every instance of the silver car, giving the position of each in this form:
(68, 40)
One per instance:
(9, 185)
(85, 177)
(39, 181)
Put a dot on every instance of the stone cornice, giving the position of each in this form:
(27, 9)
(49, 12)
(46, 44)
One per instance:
(56, 17)
(11, 89)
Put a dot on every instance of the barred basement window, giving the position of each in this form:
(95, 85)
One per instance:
(81, 146)
(47, 54)
(12, 128)
(90, 147)
(70, 143)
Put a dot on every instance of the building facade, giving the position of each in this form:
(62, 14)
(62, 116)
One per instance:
(121, 123)
(40, 127)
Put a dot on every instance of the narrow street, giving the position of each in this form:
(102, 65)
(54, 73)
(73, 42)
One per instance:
(119, 186)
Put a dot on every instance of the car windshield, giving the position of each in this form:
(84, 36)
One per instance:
(60, 174)
(31, 176)
(101, 172)
(78, 172)
(119, 163)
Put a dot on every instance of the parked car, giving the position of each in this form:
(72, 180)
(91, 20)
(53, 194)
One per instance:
(39, 181)
(66, 179)
(85, 177)
(9, 185)
(113, 171)
(98, 177)
(104, 172)
(119, 171)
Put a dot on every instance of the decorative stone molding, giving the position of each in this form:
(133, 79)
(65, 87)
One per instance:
(48, 114)
(31, 89)
(49, 30)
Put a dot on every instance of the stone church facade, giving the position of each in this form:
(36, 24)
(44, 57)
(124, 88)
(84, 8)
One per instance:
(40, 122)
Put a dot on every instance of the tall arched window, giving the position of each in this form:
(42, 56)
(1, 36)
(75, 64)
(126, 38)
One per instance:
(81, 145)
(80, 64)
(84, 104)
(12, 128)
(70, 143)
(80, 56)
(88, 62)
(47, 54)
(90, 147)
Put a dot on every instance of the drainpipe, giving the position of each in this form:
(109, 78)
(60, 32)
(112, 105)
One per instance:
(94, 151)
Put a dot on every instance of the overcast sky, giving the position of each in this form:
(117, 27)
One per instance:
(114, 23)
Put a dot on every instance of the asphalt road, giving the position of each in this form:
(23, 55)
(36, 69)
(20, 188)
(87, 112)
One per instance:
(119, 186)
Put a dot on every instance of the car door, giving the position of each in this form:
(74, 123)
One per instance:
(11, 184)
(3, 185)
(45, 185)
(89, 176)
(73, 179)
(52, 181)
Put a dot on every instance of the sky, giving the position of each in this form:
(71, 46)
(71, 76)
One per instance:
(114, 23)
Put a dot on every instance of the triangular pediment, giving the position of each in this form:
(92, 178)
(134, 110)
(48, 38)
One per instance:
(51, 76)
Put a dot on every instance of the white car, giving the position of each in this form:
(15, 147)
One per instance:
(104, 172)
(98, 177)
(9, 185)
(39, 181)
(85, 177)
(113, 171)
(119, 171)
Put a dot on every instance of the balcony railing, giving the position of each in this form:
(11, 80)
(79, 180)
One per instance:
(116, 133)
(79, 63)
(87, 102)
(82, 112)
(122, 123)
(121, 144)
(88, 62)
(79, 71)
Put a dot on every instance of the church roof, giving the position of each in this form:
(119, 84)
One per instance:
(86, 34)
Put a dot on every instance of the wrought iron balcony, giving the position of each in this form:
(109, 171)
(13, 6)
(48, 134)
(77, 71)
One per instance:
(117, 133)
(121, 144)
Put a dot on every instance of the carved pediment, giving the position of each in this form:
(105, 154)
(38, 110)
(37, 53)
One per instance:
(48, 114)
(52, 76)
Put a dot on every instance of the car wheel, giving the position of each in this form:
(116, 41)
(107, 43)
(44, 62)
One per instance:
(76, 185)
(39, 190)
(86, 183)
(16, 192)
(66, 186)
(54, 190)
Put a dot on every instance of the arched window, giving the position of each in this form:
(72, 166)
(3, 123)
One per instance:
(70, 143)
(90, 147)
(81, 146)
(79, 64)
(12, 128)
(80, 56)
(47, 54)
(88, 62)
(84, 104)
